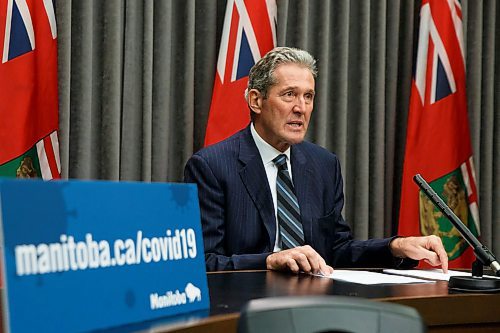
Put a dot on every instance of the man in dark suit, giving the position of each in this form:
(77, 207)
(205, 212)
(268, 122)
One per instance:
(270, 200)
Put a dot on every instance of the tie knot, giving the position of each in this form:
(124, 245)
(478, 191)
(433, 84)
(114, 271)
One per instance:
(280, 161)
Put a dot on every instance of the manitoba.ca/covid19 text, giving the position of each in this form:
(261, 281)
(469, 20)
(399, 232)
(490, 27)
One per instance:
(71, 255)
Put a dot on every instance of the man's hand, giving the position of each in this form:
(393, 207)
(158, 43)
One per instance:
(428, 248)
(302, 258)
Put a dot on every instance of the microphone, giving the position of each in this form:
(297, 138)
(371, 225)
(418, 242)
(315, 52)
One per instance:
(483, 254)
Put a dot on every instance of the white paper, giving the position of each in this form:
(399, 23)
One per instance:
(369, 278)
(433, 274)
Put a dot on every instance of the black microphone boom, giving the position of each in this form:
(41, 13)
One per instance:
(483, 254)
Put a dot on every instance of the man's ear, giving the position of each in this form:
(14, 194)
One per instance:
(255, 101)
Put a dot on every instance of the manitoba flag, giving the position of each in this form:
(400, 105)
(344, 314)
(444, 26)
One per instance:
(249, 32)
(438, 144)
(29, 145)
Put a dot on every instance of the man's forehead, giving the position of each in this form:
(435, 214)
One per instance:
(291, 81)
(287, 66)
(295, 87)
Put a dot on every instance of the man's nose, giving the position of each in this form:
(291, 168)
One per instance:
(300, 104)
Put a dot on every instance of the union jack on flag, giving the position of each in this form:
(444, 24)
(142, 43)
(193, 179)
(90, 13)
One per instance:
(433, 64)
(438, 141)
(249, 32)
(29, 145)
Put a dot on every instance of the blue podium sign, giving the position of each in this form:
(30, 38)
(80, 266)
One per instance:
(87, 255)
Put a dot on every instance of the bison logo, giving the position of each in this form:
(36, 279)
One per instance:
(193, 293)
(26, 169)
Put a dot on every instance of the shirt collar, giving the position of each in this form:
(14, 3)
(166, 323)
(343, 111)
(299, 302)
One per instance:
(266, 151)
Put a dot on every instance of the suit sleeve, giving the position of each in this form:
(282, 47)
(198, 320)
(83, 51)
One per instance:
(212, 210)
(347, 252)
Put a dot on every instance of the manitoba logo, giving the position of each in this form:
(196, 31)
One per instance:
(453, 190)
(173, 298)
(193, 293)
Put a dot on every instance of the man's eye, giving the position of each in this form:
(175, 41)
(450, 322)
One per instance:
(288, 96)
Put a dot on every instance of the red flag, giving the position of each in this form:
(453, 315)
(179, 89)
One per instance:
(29, 145)
(438, 144)
(249, 32)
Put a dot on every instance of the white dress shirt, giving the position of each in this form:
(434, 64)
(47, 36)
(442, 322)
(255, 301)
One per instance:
(267, 154)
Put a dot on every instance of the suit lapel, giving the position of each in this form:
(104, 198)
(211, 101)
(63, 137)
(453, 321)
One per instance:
(301, 173)
(254, 178)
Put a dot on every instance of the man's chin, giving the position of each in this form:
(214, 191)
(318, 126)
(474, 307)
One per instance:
(295, 139)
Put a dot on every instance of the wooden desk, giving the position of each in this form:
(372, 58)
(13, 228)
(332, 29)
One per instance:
(441, 310)
(229, 291)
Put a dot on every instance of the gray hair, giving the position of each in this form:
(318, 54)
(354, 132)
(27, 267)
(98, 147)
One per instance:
(261, 75)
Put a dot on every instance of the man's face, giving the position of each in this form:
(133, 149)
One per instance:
(283, 116)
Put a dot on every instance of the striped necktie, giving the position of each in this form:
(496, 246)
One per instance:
(290, 226)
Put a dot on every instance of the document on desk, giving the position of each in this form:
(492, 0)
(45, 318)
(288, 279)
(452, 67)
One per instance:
(370, 278)
(433, 274)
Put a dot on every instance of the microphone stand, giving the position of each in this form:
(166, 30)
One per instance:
(476, 282)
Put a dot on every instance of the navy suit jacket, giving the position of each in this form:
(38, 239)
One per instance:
(238, 216)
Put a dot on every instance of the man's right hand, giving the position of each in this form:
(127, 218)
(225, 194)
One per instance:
(299, 259)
